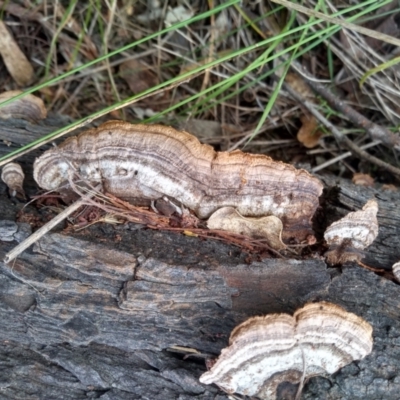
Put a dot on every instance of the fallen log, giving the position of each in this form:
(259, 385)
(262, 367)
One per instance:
(122, 312)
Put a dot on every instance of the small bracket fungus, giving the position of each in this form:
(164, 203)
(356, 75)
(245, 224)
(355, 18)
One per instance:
(267, 228)
(348, 237)
(396, 271)
(13, 176)
(263, 352)
(30, 107)
(152, 161)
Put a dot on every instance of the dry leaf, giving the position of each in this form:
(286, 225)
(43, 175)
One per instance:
(298, 84)
(87, 48)
(309, 134)
(177, 14)
(389, 26)
(389, 186)
(138, 76)
(222, 26)
(17, 64)
(150, 15)
(268, 228)
(29, 107)
(363, 179)
(202, 129)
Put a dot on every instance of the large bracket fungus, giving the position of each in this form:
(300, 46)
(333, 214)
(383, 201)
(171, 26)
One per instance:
(153, 161)
(263, 352)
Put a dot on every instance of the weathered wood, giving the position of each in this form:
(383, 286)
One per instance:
(98, 314)
(15, 132)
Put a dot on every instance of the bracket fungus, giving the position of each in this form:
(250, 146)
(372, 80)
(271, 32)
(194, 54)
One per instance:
(396, 270)
(268, 228)
(348, 237)
(151, 161)
(13, 176)
(265, 351)
(30, 107)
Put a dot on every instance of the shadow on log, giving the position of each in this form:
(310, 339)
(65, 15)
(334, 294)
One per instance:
(122, 312)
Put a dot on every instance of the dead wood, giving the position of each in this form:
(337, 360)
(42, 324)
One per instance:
(109, 311)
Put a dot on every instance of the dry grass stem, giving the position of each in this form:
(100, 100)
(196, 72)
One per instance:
(337, 21)
(342, 157)
(187, 224)
(16, 251)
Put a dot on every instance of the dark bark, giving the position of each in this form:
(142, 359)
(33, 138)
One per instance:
(100, 313)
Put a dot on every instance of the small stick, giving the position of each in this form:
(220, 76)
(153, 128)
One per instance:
(338, 21)
(339, 136)
(16, 251)
(343, 156)
(376, 131)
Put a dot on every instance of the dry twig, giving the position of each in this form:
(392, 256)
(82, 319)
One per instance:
(334, 20)
(16, 251)
(342, 156)
(376, 131)
(339, 136)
